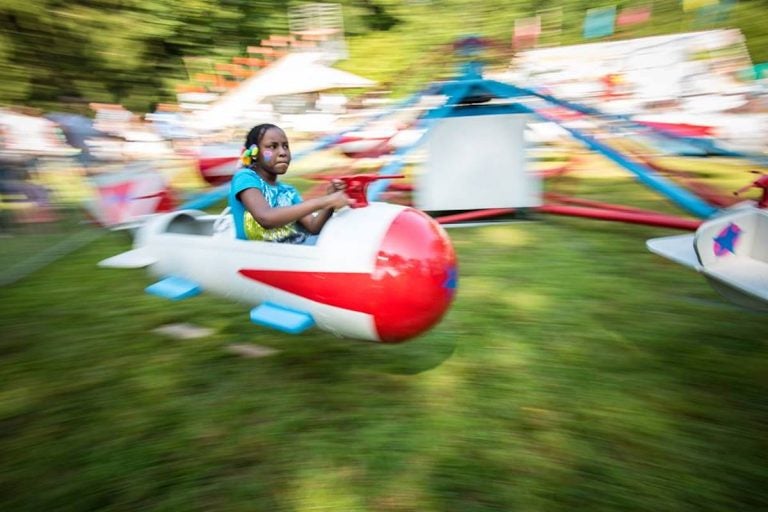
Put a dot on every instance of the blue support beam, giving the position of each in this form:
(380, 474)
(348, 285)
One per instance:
(708, 146)
(644, 174)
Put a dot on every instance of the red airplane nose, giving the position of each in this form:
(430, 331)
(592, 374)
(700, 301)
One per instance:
(414, 277)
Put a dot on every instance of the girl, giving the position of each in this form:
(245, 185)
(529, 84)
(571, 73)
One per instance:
(265, 209)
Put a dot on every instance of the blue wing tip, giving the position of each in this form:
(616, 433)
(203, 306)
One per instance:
(283, 319)
(174, 288)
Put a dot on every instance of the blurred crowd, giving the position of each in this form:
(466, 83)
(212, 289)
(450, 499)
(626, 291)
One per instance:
(57, 159)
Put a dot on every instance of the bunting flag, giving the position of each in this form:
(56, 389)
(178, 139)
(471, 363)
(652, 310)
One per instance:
(724, 11)
(633, 15)
(693, 5)
(527, 31)
(599, 22)
(761, 71)
(714, 12)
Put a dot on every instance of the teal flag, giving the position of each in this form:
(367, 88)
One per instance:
(714, 13)
(599, 22)
(761, 70)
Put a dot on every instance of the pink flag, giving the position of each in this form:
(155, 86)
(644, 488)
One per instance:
(527, 31)
(633, 15)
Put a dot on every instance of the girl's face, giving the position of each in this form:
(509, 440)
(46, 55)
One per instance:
(274, 153)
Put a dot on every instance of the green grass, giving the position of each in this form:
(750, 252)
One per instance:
(575, 371)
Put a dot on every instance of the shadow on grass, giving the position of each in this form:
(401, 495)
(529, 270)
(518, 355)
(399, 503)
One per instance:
(336, 358)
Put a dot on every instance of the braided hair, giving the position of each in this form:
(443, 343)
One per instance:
(257, 133)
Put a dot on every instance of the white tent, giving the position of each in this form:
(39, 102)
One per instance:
(295, 73)
(653, 68)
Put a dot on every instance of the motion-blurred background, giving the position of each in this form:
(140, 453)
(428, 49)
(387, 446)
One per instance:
(576, 370)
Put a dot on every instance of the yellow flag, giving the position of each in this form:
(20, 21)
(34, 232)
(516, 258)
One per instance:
(692, 5)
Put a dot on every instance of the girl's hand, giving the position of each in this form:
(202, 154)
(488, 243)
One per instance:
(335, 185)
(338, 200)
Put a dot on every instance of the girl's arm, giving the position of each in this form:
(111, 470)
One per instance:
(314, 222)
(270, 218)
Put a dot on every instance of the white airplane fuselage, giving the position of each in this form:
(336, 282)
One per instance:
(383, 272)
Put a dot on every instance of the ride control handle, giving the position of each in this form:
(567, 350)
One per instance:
(357, 186)
(761, 182)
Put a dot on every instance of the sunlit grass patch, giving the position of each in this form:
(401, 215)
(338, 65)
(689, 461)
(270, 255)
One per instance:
(321, 486)
(506, 236)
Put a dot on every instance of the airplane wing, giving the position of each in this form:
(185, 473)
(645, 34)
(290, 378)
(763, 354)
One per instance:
(136, 258)
(677, 248)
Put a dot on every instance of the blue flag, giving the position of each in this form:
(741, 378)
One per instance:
(599, 22)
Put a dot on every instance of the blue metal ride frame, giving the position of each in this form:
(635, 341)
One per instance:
(426, 122)
(644, 173)
(472, 83)
(456, 91)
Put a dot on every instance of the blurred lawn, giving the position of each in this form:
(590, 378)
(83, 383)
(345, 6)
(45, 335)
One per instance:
(575, 371)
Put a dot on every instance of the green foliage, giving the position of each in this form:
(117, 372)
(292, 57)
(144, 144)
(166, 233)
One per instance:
(120, 51)
(15, 84)
(133, 52)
